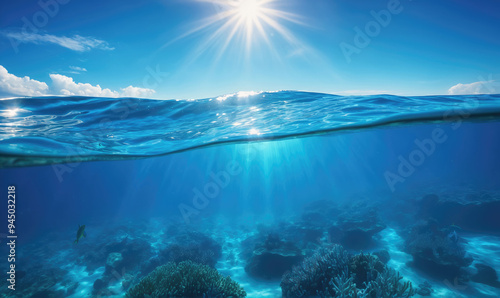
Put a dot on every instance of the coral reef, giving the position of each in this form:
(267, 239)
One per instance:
(315, 273)
(273, 258)
(193, 246)
(303, 235)
(332, 272)
(133, 252)
(437, 252)
(319, 213)
(114, 261)
(472, 211)
(383, 256)
(356, 226)
(294, 249)
(365, 267)
(185, 246)
(388, 284)
(424, 289)
(178, 253)
(186, 279)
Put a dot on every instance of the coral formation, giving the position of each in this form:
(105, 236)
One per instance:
(185, 246)
(133, 252)
(388, 284)
(332, 272)
(365, 267)
(356, 226)
(383, 256)
(114, 261)
(273, 258)
(186, 279)
(424, 289)
(192, 246)
(436, 252)
(473, 211)
(177, 253)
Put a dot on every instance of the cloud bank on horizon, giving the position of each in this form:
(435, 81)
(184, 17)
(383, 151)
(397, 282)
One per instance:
(481, 87)
(12, 85)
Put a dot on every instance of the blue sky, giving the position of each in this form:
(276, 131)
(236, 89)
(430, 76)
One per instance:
(153, 48)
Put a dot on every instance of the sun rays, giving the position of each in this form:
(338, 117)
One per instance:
(240, 24)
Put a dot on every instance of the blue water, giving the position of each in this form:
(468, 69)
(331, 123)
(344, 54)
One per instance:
(226, 178)
(128, 127)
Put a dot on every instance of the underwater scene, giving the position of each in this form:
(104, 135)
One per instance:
(250, 148)
(252, 194)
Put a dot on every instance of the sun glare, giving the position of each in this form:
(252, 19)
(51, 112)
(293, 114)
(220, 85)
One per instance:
(11, 112)
(249, 9)
(240, 23)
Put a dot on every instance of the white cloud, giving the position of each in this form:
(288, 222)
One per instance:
(481, 87)
(76, 43)
(13, 85)
(132, 91)
(76, 68)
(66, 86)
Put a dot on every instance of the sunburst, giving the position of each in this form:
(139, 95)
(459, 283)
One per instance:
(244, 21)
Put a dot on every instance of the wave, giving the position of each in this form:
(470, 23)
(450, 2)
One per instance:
(44, 130)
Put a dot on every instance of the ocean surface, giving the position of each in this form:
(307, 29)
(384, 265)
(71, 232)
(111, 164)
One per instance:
(288, 194)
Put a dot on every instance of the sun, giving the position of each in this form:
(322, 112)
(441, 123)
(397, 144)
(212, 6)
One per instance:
(249, 9)
(239, 24)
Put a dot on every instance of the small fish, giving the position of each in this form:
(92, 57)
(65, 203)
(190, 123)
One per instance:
(80, 233)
